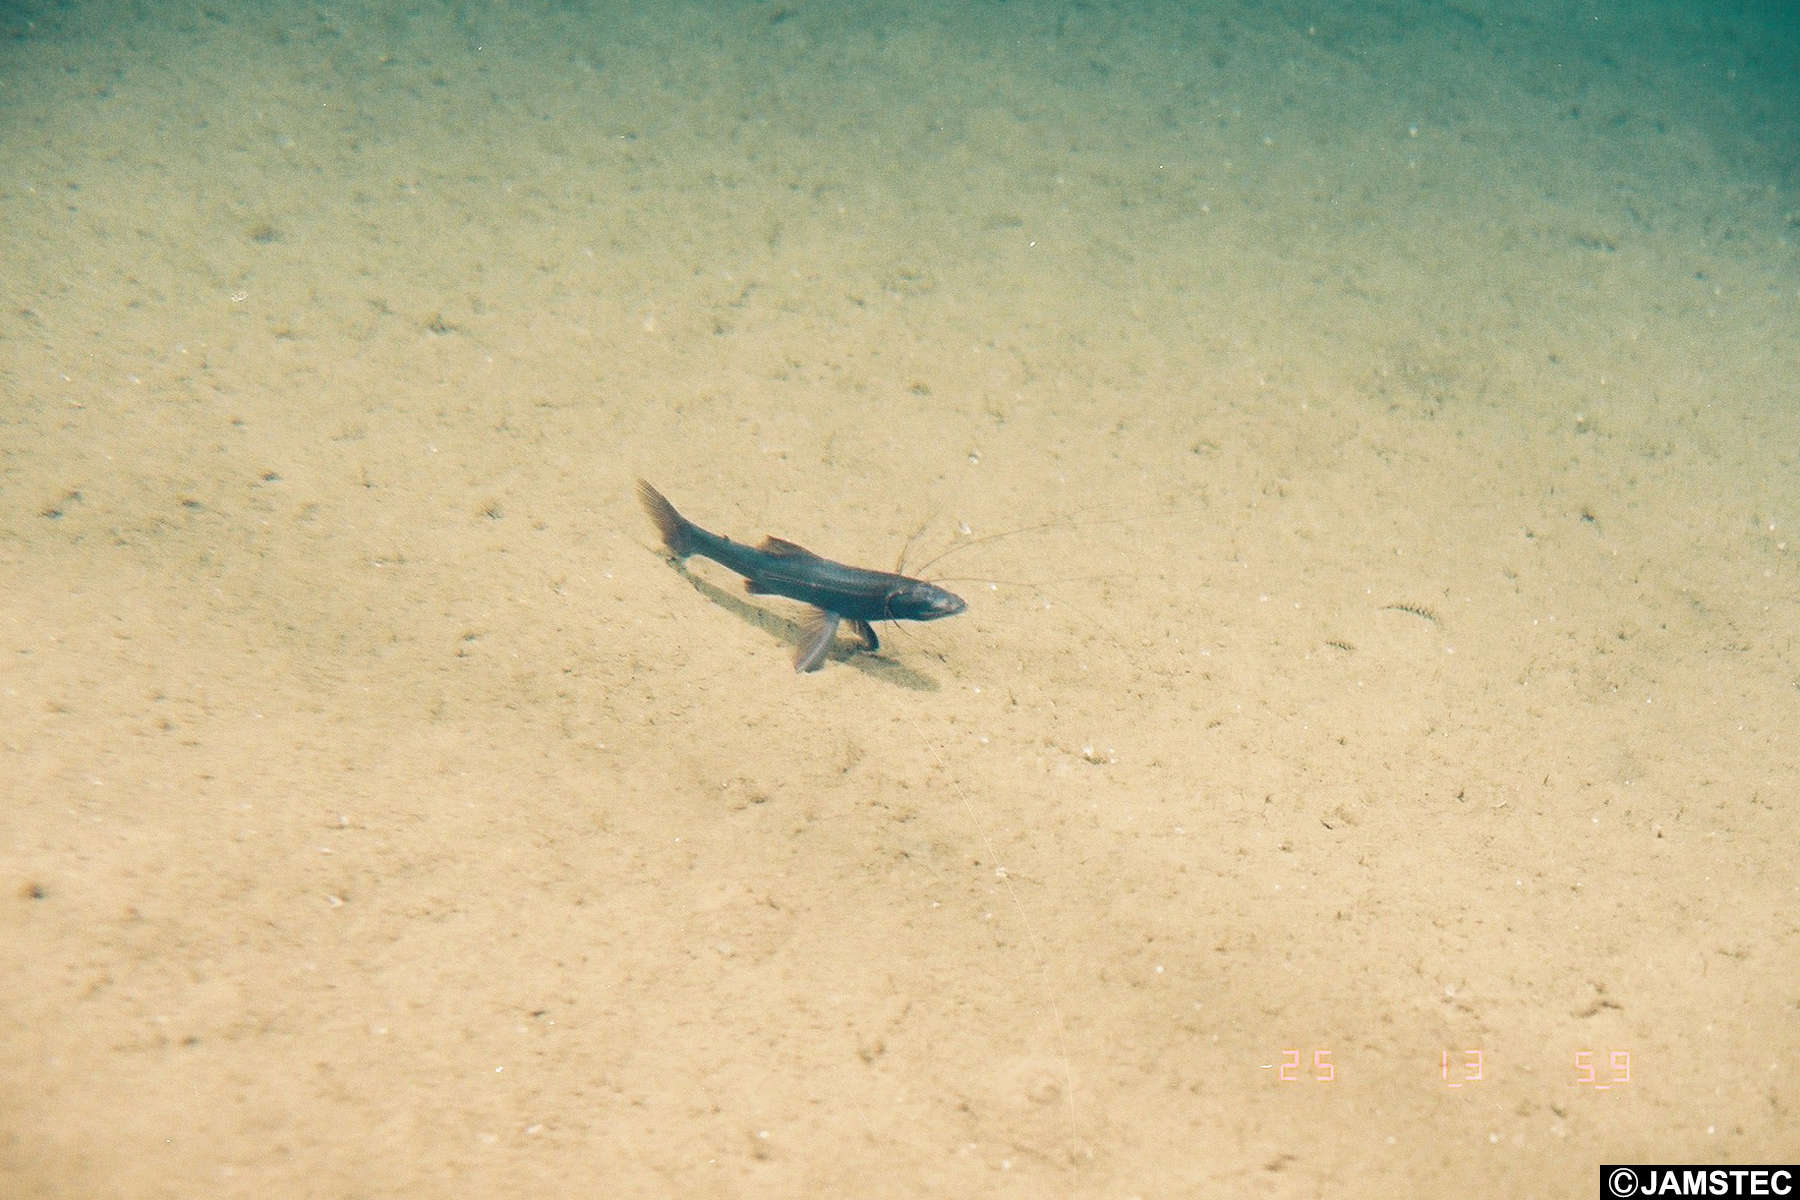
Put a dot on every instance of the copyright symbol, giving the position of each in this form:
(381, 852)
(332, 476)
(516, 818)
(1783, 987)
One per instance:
(1622, 1182)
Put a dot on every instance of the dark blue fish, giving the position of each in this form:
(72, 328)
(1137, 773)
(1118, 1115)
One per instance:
(835, 591)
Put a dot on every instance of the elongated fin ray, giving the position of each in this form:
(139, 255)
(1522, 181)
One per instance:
(821, 627)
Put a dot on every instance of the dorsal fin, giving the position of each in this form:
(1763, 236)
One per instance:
(782, 548)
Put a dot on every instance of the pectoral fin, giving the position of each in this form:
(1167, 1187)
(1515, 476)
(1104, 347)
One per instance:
(866, 632)
(820, 629)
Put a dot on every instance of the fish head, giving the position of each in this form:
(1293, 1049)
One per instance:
(916, 600)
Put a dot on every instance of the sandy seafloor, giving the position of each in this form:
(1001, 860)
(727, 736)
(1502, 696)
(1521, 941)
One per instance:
(1396, 673)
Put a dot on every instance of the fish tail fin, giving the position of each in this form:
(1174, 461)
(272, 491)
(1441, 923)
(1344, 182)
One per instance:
(672, 525)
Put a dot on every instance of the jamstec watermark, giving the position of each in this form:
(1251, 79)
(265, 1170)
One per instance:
(1618, 1181)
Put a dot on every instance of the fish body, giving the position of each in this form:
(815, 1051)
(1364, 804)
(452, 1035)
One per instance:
(779, 567)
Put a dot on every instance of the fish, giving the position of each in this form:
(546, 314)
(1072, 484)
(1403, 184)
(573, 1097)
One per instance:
(837, 593)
